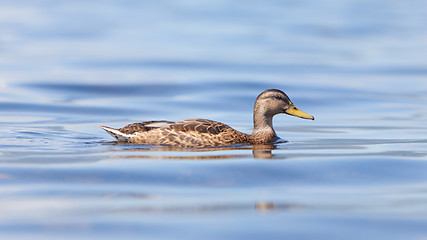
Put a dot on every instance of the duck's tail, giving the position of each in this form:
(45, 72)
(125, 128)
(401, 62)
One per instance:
(121, 137)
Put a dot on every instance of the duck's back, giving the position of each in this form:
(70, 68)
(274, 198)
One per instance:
(187, 133)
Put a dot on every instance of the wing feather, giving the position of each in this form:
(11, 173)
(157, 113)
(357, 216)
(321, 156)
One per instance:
(145, 126)
(200, 126)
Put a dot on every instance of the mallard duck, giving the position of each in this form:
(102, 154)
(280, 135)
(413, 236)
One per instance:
(208, 133)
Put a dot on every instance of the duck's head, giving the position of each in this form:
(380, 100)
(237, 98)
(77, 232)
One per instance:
(273, 101)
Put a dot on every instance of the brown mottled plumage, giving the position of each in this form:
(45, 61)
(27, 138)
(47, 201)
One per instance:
(206, 133)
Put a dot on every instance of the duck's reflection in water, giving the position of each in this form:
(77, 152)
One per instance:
(183, 208)
(263, 151)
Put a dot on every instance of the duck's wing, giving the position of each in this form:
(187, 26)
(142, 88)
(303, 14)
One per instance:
(145, 126)
(192, 132)
(200, 126)
(125, 133)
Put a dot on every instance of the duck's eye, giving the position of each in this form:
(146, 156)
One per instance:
(277, 97)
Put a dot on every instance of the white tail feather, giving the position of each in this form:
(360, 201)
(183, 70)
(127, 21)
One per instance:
(121, 137)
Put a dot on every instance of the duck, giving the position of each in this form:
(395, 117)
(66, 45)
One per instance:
(208, 133)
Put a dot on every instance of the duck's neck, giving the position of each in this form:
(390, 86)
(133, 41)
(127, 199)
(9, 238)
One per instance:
(263, 127)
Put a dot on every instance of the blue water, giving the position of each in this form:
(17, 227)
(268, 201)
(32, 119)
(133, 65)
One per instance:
(357, 172)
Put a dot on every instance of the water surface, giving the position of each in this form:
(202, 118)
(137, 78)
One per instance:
(357, 172)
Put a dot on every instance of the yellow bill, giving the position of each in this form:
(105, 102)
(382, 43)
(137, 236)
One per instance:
(294, 111)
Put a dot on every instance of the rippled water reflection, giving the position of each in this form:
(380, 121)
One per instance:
(357, 172)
